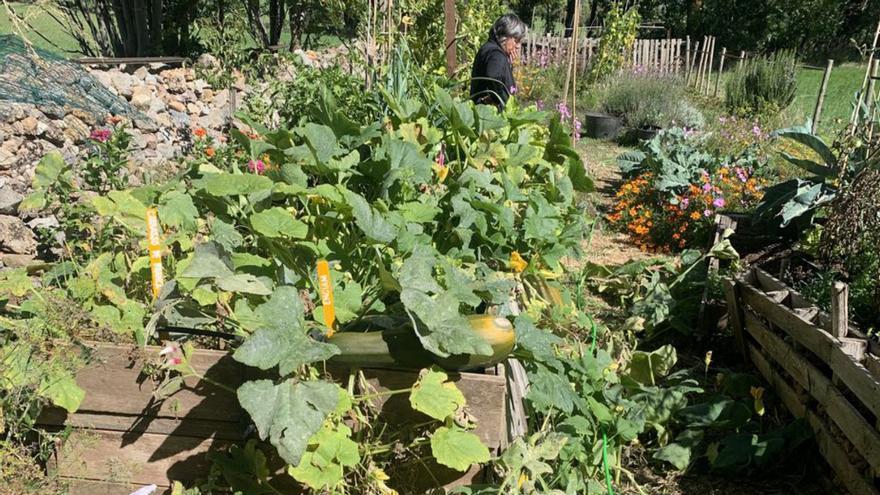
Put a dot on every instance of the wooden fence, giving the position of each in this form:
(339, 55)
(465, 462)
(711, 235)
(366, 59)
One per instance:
(822, 367)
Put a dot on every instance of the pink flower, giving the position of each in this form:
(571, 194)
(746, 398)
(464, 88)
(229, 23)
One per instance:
(172, 354)
(257, 166)
(540, 104)
(685, 203)
(707, 213)
(707, 187)
(718, 203)
(100, 135)
(756, 130)
(513, 90)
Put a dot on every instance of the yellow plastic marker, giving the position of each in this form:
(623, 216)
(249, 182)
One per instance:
(154, 245)
(325, 287)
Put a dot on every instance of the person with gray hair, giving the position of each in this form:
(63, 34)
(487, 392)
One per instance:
(492, 80)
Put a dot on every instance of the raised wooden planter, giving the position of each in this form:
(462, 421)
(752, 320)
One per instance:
(821, 372)
(122, 438)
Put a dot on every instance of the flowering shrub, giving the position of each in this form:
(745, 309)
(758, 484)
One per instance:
(734, 135)
(671, 199)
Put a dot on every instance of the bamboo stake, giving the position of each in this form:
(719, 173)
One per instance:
(709, 65)
(855, 113)
(720, 70)
(820, 100)
(700, 69)
(693, 61)
(742, 58)
(577, 18)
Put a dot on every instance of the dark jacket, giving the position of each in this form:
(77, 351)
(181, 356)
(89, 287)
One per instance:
(491, 63)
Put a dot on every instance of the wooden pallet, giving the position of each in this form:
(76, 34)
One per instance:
(829, 380)
(121, 438)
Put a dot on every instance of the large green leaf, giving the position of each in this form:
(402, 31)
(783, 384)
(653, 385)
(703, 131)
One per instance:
(243, 283)
(435, 396)
(288, 413)
(648, 367)
(236, 184)
(48, 170)
(177, 210)
(458, 449)
(208, 261)
(369, 220)
(804, 135)
(278, 222)
(63, 391)
(330, 450)
(281, 339)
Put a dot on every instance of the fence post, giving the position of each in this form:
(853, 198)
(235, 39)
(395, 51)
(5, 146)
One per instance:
(709, 66)
(720, 69)
(869, 95)
(449, 25)
(839, 309)
(735, 316)
(687, 59)
(742, 57)
(820, 100)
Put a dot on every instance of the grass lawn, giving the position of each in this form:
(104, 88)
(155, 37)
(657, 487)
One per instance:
(845, 80)
(56, 40)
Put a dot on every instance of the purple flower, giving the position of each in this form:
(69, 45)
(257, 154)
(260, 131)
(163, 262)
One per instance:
(707, 213)
(101, 135)
(685, 203)
(707, 187)
(540, 104)
(257, 166)
(513, 90)
(756, 130)
(718, 203)
(441, 156)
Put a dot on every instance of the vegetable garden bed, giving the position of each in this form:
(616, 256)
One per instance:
(823, 372)
(123, 436)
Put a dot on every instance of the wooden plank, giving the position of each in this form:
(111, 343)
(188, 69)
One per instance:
(134, 426)
(92, 487)
(839, 309)
(159, 459)
(855, 376)
(830, 448)
(485, 396)
(734, 314)
(850, 421)
(810, 336)
(114, 375)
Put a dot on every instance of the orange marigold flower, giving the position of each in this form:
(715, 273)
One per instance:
(695, 216)
(676, 236)
(633, 212)
(210, 151)
(200, 132)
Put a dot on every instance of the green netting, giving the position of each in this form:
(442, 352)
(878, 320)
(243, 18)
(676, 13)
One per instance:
(41, 78)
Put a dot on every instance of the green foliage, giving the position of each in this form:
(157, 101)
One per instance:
(621, 29)
(645, 100)
(762, 85)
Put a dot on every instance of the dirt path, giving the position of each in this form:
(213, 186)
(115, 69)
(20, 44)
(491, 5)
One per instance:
(606, 246)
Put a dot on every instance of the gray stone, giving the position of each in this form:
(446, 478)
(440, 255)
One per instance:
(207, 95)
(145, 124)
(138, 139)
(141, 73)
(141, 97)
(26, 126)
(208, 61)
(49, 222)
(17, 260)
(157, 105)
(166, 151)
(180, 119)
(221, 98)
(9, 201)
(15, 237)
(75, 129)
(214, 119)
(122, 82)
(106, 80)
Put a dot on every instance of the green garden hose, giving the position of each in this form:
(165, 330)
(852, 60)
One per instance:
(604, 436)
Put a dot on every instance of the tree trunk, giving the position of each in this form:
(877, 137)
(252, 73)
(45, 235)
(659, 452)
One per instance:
(295, 13)
(156, 33)
(276, 20)
(569, 18)
(256, 23)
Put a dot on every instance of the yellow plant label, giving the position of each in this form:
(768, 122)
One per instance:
(325, 287)
(154, 245)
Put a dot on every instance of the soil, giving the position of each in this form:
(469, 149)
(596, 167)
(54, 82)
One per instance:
(805, 473)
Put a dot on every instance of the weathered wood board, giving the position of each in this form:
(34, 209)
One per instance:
(122, 437)
(832, 382)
